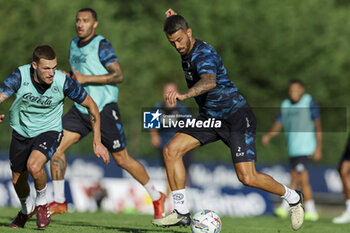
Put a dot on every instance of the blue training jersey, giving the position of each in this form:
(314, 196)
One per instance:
(221, 101)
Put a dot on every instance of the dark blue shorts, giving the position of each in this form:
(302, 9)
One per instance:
(21, 148)
(300, 163)
(238, 133)
(112, 131)
(346, 154)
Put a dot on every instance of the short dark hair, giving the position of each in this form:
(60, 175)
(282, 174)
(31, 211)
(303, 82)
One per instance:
(92, 11)
(296, 81)
(174, 23)
(43, 52)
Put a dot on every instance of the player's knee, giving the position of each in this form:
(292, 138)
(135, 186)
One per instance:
(33, 168)
(171, 152)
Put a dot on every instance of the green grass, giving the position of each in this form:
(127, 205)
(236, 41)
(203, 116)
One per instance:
(102, 222)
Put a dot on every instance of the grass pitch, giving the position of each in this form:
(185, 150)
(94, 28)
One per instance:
(101, 222)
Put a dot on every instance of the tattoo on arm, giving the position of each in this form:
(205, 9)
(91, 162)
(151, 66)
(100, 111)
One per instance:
(3, 97)
(205, 84)
(115, 73)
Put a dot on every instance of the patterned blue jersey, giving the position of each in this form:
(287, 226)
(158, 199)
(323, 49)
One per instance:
(106, 53)
(223, 100)
(72, 88)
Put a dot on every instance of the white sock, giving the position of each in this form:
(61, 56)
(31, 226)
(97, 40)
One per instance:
(27, 204)
(347, 203)
(290, 196)
(310, 207)
(41, 197)
(284, 205)
(58, 190)
(179, 198)
(152, 191)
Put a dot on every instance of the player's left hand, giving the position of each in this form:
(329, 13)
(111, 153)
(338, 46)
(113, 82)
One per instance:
(2, 116)
(78, 76)
(318, 154)
(101, 152)
(170, 12)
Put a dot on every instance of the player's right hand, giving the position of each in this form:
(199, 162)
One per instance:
(2, 116)
(101, 152)
(78, 76)
(170, 12)
(265, 140)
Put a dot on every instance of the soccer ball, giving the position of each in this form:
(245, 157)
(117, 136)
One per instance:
(206, 221)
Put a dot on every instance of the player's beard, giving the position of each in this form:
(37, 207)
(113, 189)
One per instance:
(88, 33)
(188, 46)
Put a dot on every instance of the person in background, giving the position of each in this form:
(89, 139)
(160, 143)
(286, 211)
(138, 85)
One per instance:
(300, 118)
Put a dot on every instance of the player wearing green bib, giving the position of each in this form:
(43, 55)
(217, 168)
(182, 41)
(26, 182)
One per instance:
(96, 66)
(35, 117)
(300, 118)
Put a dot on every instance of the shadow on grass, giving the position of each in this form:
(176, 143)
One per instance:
(120, 229)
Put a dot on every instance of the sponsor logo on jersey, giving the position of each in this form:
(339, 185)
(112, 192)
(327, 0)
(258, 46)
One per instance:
(79, 59)
(43, 100)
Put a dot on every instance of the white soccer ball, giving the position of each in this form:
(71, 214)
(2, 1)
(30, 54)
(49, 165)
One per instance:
(206, 221)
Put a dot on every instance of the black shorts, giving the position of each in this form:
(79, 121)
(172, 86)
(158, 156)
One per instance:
(299, 163)
(112, 131)
(237, 132)
(21, 148)
(346, 154)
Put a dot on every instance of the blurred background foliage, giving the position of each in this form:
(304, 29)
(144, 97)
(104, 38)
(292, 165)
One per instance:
(263, 45)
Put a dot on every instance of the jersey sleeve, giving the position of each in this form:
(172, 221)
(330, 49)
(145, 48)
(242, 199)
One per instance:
(106, 53)
(74, 90)
(205, 63)
(315, 110)
(12, 83)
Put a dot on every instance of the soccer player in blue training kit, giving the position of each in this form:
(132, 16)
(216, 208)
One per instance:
(217, 98)
(97, 68)
(36, 119)
(344, 172)
(300, 118)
